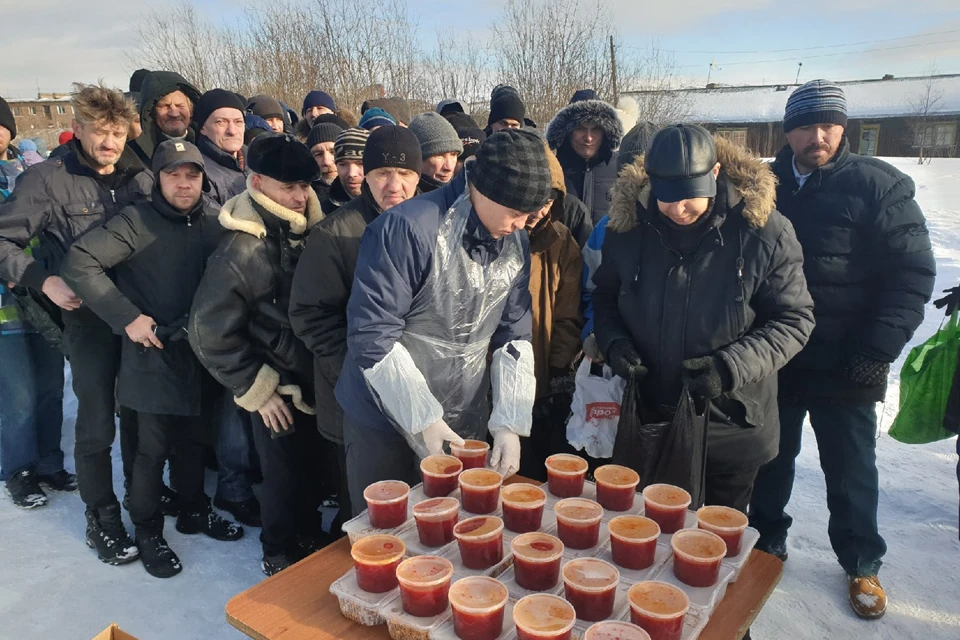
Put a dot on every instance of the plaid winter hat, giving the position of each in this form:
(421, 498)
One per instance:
(815, 102)
(511, 168)
(350, 144)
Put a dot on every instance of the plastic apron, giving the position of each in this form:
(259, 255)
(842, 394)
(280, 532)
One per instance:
(454, 316)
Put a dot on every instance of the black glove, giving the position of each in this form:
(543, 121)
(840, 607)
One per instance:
(950, 301)
(866, 371)
(625, 361)
(706, 378)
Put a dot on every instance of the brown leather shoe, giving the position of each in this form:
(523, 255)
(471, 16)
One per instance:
(867, 597)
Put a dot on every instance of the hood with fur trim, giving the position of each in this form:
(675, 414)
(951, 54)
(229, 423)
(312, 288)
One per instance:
(751, 179)
(573, 115)
(239, 214)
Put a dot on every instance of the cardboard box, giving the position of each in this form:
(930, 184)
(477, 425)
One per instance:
(113, 632)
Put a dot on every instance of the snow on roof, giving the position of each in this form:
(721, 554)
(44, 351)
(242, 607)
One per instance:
(865, 99)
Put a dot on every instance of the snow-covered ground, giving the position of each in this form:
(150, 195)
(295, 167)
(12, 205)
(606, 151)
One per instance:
(52, 586)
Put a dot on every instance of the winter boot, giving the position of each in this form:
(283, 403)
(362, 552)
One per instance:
(207, 521)
(867, 597)
(303, 546)
(246, 511)
(168, 502)
(774, 547)
(158, 558)
(59, 481)
(25, 491)
(272, 565)
(106, 534)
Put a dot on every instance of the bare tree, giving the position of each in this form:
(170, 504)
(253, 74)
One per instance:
(651, 78)
(924, 106)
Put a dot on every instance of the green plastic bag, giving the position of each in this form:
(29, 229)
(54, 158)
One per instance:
(925, 382)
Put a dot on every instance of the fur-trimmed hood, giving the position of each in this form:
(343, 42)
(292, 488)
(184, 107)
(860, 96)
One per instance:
(239, 214)
(751, 179)
(573, 115)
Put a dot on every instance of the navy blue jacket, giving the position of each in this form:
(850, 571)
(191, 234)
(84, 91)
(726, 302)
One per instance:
(396, 255)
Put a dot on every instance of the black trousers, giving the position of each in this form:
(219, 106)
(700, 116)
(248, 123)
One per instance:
(374, 455)
(156, 436)
(345, 512)
(730, 489)
(290, 495)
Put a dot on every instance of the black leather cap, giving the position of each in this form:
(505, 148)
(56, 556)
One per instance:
(680, 163)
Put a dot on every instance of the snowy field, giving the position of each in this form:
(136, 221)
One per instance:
(53, 587)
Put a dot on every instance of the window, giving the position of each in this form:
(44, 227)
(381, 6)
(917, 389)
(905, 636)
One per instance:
(869, 137)
(940, 135)
(736, 136)
(61, 110)
(47, 112)
(16, 111)
(33, 111)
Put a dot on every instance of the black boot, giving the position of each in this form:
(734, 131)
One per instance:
(25, 491)
(168, 502)
(207, 521)
(302, 546)
(106, 534)
(158, 558)
(246, 512)
(59, 481)
(272, 565)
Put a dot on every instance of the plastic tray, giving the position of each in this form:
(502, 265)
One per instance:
(411, 538)
(403, 626)
(459, 571)
(750, 538)
(358, 605)
(445, 631)
(631, 576)
(690, 522)
(417, 495)
(589, 492)
(547, 525)
(621, 607)
(360, 527)
(592, 552)
(693, 623)
(703, 597)
(509, 580)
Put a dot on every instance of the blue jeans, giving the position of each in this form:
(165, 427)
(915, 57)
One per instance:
(846, 438)
(236, 456)
(31, 405)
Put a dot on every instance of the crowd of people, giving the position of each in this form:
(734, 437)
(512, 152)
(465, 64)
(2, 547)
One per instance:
(313, 302)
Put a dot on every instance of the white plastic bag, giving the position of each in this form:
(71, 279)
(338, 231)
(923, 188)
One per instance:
(596, 411)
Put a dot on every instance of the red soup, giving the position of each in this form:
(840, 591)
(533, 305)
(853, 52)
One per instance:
(424, 584)
(536, 560)
(614, 630)
(633, 541)
(566, 475)
(481, 541)
(591, 587)
(727, 523)
(376, 559)
(480, 490)
(616, 487)
(478, 603)
(440, 474)
(544, 617)
(696, 557)
(667, 506)
(387, 503)
(578, 522)
(659, 609)
(472, 453)
(436, 518)
(522, 507)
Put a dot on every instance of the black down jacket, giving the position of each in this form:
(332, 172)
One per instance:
(157, 255)
(226, 174)
(239, 327)
(869, 267)
(736, 292)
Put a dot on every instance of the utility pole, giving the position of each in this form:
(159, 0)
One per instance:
(613, 72)
(799, 66)
(713, 63)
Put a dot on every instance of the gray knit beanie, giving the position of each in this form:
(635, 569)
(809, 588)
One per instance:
(436, 135)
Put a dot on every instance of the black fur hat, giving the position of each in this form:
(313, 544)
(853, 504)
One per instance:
(594, 111)
(282, 157)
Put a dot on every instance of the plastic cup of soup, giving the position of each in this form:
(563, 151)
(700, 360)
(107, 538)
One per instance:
(424, 584)
(544, 617)
(480, 540)
(376, 559)
(522, 507)
(436, 518)
(615, 630)
(440, 475)
(387, 503)
(566, 475)
(658, 608)
(480, 490)
(633, 541)
(696, 557)
(578, 522)
(727, 523)
(478, 603)
(666, 505)
(590, 585)
(616, 487)
(472, 453)
(536, 560)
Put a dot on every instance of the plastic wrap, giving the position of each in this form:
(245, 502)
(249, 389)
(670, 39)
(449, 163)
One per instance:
(514, 388)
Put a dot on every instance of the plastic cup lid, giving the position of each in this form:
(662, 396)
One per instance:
(537, 547)
(386, 491)
(441, 465)
(565, 463)
(478, 594)
(544, 613)
(591, 574)
(578, 510)
(478, 527)
(523, 494)
(470, 446)
(424, 571)
(482, 478)
(435, 508)
(722, 518)
(667, 495)
(615, 630)
(658, 599)
(378, 549)
(698, 545)
(636, 528)
(616, 475)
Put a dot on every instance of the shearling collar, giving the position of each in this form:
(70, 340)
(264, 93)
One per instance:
(240, 214)
(752, 182)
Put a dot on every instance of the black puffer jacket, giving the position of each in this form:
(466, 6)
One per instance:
(869, 266)
(336, 198)
(58, 201)
(226, 174)
(239, 327)
(157, 255)
(737, 292)
(576, 218)
(318, 301)
(156, 85)
(589, 180)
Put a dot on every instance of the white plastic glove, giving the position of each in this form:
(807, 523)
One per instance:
(505, 457)
(432, 438)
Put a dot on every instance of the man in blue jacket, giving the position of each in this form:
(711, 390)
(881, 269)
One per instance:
(441, 281)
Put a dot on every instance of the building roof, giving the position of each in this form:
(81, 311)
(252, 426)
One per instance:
(37, 100)
(866, 99)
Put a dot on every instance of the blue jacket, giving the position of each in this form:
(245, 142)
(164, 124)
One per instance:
(591, 261)
(395, 261)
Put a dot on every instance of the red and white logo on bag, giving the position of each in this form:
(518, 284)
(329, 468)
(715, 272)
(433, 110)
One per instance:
(597, 411)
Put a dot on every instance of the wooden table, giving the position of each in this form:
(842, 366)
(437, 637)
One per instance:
(296, 604)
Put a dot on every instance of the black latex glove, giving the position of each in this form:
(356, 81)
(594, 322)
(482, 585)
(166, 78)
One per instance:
(706, 378)
(950, 301)
(625, 361)
(866, 371)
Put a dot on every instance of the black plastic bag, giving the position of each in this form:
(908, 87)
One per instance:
(43, 315)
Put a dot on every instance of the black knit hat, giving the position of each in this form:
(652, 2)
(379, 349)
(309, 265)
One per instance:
(392, 146)
(507, 105)
(282, 157)
(265, 107)
(322, 132)
(635, 143)
(511, 168)
(213, 100)
(472, 138)
(7, 121)
(331, 118)
(461, 120)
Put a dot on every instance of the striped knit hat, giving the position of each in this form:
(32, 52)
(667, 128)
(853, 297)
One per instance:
(818, 101)
(350, 144)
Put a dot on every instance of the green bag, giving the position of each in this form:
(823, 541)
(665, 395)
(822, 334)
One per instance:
(925, 382)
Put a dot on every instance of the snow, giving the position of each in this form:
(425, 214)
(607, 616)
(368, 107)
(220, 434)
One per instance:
(865, 99)
(52, 586)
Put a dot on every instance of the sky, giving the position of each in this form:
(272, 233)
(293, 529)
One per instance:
(56, 42)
